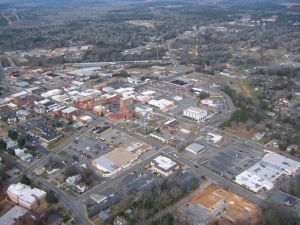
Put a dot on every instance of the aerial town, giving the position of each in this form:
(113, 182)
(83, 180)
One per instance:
(135, 118)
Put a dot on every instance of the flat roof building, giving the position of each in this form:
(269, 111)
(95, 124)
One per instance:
(195, 148)
(25, 196)
(263, 173)
(195, 113)
(164, 165)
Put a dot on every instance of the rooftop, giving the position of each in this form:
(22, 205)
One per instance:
(164, 163)
(14, 213)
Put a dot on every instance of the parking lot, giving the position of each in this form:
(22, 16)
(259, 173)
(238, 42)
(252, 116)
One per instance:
(229, 161)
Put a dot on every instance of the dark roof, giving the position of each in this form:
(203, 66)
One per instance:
(54, 219)
(290, 200)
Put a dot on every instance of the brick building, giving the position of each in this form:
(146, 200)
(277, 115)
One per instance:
(25, 196)
(69, 112)
(127, 113)
(126, 102)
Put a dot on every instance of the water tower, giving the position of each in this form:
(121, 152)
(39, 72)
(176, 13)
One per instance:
(144, 115)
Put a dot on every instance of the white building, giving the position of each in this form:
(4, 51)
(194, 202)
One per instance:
(164, 166)
(195, 113)
(161, 104)
(195, 148)
(214, 138)
(263, 173)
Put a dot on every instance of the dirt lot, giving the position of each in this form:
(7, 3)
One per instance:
(5, 206)
(242, 131)
(237, 208)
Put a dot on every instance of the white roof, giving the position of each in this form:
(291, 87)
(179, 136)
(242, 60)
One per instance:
(148, 93)
(263, 173)
(195, 147)
(86, 118)
(164, 162)
(133, 146)
(19, 94)
(11, 104)
(195, 110)
(25, 193)
(9, 217)
(69, 110)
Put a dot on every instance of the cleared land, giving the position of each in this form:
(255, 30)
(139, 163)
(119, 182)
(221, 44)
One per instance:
(237, 208)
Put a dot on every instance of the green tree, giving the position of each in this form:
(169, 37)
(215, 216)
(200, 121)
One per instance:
(50, 198)
(11, 151)
(194, 183)
(3, 145)
(263, 105)
(289, 97)
(21, 141)
(12, 134)
(70, 122)
(102, 114)
(282, 146)
(56, 116)
(25, 180)
(293, 152)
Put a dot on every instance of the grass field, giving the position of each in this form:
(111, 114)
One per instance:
(44, 176)
(64, 154)
(253, 93)
(57, 143)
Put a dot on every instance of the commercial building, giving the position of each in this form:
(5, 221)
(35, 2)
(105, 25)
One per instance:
(195, 148)
(69, 112)
(162, 137)
(98, 198)
(10, 217)
(195, 113)
(126, 102)
(25, 196)
(164, 166)
(127, 113)
(141, 108)
(100, 109)
(214, 138)
(114, 161)
(263, 173)
(210, 103)
(161, 104)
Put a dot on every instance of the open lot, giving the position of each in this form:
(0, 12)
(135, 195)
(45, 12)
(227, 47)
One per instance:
(216, 199)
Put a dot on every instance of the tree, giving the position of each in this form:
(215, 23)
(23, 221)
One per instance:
(70, 122)
(12, 134)
(50, 198)
(293, 152)
(203, 95)
(102, 114)
(21, 141)
(282, 146)
(289, 97)
(194, 183)
(3, 145)
(56, 116)
(25, 180)
(11, 151)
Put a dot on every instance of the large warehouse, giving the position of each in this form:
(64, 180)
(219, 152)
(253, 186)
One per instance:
(114, 161)
(263, 173)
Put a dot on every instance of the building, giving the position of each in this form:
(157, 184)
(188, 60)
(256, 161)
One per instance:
(55, 219)
(290, 201)
(127, 113)
(164, 166)
(114, 161)
(98, 198)
(10, 217)
(195, 148)
(141, 108)
(107, 99)
(214, 138)
(210, 103)
(263, 173)
(172, 124)
(25, 196)
(48, 135)
(69, 112)
(195, 113)
(40, 109)
(100, 109)
(161, 104)
(126, 102)
(116, 118)
(108, 90)
(120, 221)
(22, 84)
(100, 86)
(162, 137)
